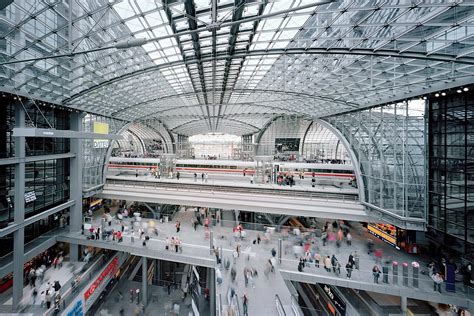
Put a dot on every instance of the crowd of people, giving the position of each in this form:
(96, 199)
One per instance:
(35, 277)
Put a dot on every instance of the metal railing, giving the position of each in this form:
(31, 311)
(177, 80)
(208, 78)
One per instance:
(69, 293)
(167, 186)
(295, 306)
(279, 306)
(219, 305)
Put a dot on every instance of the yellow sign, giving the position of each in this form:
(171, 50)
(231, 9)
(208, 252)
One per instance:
(101, 128)
(382, 235)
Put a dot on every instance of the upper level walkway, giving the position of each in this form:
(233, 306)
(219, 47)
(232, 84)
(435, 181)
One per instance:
(325, 202)
(196, 250)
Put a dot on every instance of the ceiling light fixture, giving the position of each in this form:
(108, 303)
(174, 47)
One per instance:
(437, 95)
(443, 94)
(459, 91)
(465, 89)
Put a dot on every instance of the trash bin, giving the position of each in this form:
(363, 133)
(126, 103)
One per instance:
(385, 274)
(416, 272)
(405, 273)
(395, 272)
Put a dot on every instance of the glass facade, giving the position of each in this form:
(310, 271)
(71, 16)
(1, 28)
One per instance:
(46, 181)
(451, 170)
(389, 144)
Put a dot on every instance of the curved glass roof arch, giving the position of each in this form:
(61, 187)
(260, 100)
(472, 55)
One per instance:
(208, 66)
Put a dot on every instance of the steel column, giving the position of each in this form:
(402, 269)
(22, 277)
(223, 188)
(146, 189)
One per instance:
(212, 291)
(76, 175)
(144, 281)
(19, 211)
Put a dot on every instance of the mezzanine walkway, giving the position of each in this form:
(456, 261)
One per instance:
(331, 202)
(196, 251)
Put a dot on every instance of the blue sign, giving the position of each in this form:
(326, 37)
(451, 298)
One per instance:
(76, 310)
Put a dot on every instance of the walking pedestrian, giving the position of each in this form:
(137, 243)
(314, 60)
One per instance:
(349, 270)
(246, 279)
(437, 281)
(202, 177)
(245, 304)
(317, 258)
(334, 263)
(327, 264)
(356, 260)
(233, 273)
(43, 298)
(48, 299)
(195, 177)
(349, 239)
(178, 226)
(301, 265)
(376, 273)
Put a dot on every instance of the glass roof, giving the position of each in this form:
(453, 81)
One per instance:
(221, 66)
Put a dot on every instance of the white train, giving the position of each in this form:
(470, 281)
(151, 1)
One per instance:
(142, 166)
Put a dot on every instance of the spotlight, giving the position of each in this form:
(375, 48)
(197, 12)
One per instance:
(458, 90)
(443, 94)
(437, 95)
(465, 89)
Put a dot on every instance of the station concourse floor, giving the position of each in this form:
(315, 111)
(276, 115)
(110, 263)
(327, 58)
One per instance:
(262, 298)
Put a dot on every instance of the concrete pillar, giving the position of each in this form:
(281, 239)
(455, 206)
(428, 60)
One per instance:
(280, 249)
(403, 304)
(76, 175)
(74, 252)
(211, 242)
(212, 291)
(19, 211)
(144, 281)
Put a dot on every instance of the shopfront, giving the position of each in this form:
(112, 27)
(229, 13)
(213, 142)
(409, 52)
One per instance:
(394, 236)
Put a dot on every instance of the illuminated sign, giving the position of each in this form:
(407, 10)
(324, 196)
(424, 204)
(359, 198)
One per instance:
(389, 239)
(76, 310)
(30, 197)
(108, 271)
(101, 128)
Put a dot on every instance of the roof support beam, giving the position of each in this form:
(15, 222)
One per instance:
(190, 12)
(290, 51)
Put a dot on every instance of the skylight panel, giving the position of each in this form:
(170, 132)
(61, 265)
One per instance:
(135, 25)
(154, 19)
(124, 9)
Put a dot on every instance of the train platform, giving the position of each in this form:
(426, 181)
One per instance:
(238, 180)
(196, 250)
(324, 206)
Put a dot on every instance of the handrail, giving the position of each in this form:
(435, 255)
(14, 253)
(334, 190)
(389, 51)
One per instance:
(279, 306)
(295, 307)
(69, 292)
(219, 306)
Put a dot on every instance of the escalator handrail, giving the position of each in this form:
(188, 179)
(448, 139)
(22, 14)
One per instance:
(279, 306)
